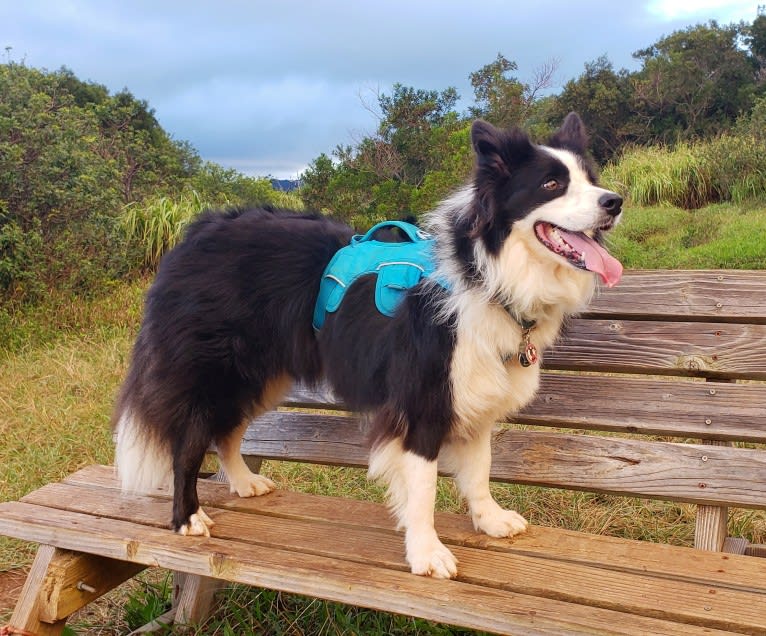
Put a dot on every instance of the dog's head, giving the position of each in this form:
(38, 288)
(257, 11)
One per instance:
(547, 196)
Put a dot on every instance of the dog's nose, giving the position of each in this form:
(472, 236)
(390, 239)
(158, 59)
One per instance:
(611, 203)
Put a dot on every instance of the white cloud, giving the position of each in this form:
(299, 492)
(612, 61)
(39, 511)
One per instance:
(724, 11)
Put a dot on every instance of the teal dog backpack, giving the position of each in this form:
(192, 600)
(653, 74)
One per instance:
(398, 266)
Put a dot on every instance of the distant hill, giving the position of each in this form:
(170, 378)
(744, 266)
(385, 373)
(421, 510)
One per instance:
(285, 185)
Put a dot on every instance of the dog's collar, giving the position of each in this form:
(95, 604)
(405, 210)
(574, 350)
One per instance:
(527, 354)
(525, 324)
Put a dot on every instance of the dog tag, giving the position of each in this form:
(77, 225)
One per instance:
(528, 355)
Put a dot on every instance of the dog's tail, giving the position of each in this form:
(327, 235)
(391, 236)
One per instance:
(143, 462)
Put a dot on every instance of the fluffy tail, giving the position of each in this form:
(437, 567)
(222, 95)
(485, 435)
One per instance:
(143, 463)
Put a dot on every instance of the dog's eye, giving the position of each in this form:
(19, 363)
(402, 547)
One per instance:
(551, 184)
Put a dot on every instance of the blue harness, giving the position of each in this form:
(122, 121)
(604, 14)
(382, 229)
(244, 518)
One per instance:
(398, 266)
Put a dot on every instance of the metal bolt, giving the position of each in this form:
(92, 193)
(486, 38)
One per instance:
(704, 458)
(718, 305)
(82, 586)
(712, 391)
(708, 421)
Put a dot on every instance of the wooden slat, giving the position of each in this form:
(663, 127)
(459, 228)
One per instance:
(682, 472)
(673, 407)
(581, 583)
(679, 408)
(546, 577)
(611, 553)
(694, 349)
(722, 295)
(693, 473)
(26, 614)
(456, 602)
(711, 524)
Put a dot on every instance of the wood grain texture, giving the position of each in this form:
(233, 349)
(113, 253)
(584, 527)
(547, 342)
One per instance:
(693, 473)
(563, 581)
(26, 614)
(723, 295)
(711, 524)
(455, 602)
(368, 522)
(694, 349)
(674, 407)
(681, 472)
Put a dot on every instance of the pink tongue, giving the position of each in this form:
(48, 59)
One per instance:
(597, 259)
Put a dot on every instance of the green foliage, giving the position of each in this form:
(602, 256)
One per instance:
(716, 236)
(602, 97)
(157, 225)
(694, 82)
(73, 161)
(728, 167)
(251, 610)
(20, 259)
(148, 601)
(659, 174)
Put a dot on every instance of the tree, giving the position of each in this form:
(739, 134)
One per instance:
(694, 82)
(504, 100)
(602, 97)
(409, 116)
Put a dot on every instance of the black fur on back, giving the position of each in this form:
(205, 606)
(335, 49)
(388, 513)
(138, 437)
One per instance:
(398, 366)
(229, 311)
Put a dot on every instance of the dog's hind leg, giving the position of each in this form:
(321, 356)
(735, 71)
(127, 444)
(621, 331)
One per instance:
(411, 481)
(241, 479)
(188, 516)
(470, 460)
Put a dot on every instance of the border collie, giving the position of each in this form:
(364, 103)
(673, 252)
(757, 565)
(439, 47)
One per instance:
(227, 329)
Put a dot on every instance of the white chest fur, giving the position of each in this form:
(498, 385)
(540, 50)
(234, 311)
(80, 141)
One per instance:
(488, 382)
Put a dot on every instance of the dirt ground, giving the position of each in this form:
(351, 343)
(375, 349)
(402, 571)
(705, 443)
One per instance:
(10, 586)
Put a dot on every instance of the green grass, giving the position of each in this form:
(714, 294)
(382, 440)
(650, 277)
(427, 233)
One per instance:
(61, 364)
(717, 236)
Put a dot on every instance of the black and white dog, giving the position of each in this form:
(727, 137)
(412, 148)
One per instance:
(228, 329)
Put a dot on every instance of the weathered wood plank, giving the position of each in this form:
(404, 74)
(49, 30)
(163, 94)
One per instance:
(26, 614)
(75, 579)
(580, 583)
(335, 579)
(608, 552)
(694, 349)
(711, 524)
(659, 470)
(672, 407)
(693, 473)
(723, 295)
(576, 583)
(678, 408)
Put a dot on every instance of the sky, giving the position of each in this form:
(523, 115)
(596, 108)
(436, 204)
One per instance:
(265, 87)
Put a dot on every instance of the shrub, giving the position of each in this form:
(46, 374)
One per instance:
(658, 174)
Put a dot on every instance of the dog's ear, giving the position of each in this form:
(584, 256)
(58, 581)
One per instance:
(487, 144)
(571, 136)
(497, 152)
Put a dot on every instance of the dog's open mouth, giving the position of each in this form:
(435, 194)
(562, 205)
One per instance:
(580, 250)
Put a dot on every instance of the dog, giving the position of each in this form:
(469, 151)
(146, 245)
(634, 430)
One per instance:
(227, 330)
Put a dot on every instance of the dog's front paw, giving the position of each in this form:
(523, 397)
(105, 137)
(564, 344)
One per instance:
(429, 557)
(498, 522)
(252, 485)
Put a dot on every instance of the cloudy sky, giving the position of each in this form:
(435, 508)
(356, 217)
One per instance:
(266, 86)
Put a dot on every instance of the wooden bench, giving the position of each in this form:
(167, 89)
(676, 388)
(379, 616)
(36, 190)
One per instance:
(677, 357)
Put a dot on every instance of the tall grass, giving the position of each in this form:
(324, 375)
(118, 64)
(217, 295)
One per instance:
(157, 225)
(659, 174)
(729, 168)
